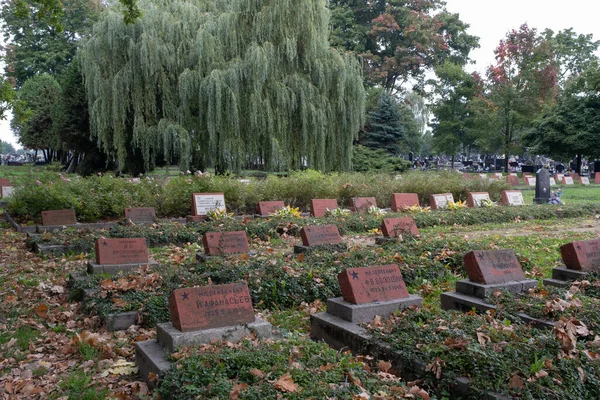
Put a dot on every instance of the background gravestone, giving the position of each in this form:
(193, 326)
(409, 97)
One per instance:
(58, 217)
(401, 201)
(265, 208)
(141, 215)
(362, 204)
(319, 207)
(542, 186)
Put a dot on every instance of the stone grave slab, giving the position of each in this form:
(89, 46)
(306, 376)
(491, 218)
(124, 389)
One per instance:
(583, 255)
(372, 284)
(5, 182)
(402, 201)
(559, 177)
(7, 191)
(512, 198)
(223, 243)
(498, 175)
(200, 315)
(202, 203)
(597, 177)
(475, 198)
(58, 217)
(141, 215)
(567, 180)
(542, 186)
(318, 235)
(530, 181)
(552, 181)
(266, 208)
(362, 204)
(439, 201)
(575, 176)
(513, 180)
(584, 180)
(393, 228)
(319, 207)
(119, 255)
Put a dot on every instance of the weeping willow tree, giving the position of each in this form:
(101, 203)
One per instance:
(228, 83)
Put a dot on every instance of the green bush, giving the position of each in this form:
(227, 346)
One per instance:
(368, 160)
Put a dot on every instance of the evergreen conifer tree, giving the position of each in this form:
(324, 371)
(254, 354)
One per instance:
(385, 129)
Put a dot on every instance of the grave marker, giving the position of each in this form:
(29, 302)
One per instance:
(372, 284)
(266, 208)
(202, 203)
(542, 186)
(402, 201)
(490, 267)
(394, 227)
(319, 207)
(318, 235)
(58, 217)
(222, 243)
(530, 180)
(513, 198)
(7, 191)
(582, 255)
(141, 215)
(121, 251)
(597, 177)
(475, 198)
(584, 180)
(513, 180)
(5, 182)
(559, 177)
(498, 175)
(552, 181)
(437, 201)
(567, 180)
(362, 204)
(212, 306)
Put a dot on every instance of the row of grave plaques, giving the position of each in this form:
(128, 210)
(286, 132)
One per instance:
(529, 180)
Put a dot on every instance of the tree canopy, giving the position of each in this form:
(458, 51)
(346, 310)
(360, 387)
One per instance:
(223, 83)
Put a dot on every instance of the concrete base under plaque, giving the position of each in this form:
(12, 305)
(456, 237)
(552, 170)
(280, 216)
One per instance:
(562, 277)
(359, 313)
(151, 355)
(381, 240)
(469, 295)
(95, 268)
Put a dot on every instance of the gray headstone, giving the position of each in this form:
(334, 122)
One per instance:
(542, 186)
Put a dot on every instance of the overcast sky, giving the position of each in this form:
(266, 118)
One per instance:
(490, 20)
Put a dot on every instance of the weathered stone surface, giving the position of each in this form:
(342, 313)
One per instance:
(202, 203)
(479, 290)
(359, 313)
(5, 182)
(371, 284)
(584, 180)
(512, 198)
(266, 208)
(213, 306)
(461, 302)
(493, 266)
(513, 180)
(7, 191)
(542, 186)
(566, 274)
(567, 180)
(222, 243)
(141, 215)
(362, 204)
(401, 201)
(319, 207)
(529, 180)
(559, 177)
(121, 251)
(112, 269)
(597, 177)
(437, 201)
(394, 227)
(582, 255)
(318, 235)
(475, 198)
(59, 217)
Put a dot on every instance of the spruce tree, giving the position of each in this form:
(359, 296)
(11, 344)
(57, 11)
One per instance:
(384, 128)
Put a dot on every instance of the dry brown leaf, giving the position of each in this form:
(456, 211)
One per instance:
(482, 338)
(384, 365)
(237, 389)
(515, 382)
(417, 391)
(286, 384)
(42, 311)
(257, 373)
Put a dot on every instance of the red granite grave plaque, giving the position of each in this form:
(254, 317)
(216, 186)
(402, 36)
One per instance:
(512, 198)
(317, 235)
(371, 284)
(401, 201)
(5, 182)
(394, 227)
(362, 204)
(513, 180)
(222, 243)
(209, 307)
(597, 177)
(58, 217)
(490, 267)
(121, 251)
(266, 208)
(475, 198)
(202, 203)
(437, 201)
(582, 255)
(141, 214)
(319, 207)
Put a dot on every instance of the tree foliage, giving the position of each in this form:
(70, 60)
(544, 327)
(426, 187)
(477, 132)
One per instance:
(385, 129)
(223, 83)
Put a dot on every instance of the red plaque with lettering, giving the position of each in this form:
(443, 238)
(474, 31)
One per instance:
(222, 243)
(213, 306)
(582, 255)
(141, 215)
(317, 235)
(121, 251)
(371, 284)
(490, 267)
(362, 204)
(401, 201)
(266, 208)
(58, 217)
(394, 227)
(513, 180)
(319, 207)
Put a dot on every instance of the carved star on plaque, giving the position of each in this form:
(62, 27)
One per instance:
(105, 243)
(578, 246)
(481, 256)
(354, 274)
(185, 296)
(211, 237)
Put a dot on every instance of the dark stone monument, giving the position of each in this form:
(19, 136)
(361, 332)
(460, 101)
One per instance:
(542, 186)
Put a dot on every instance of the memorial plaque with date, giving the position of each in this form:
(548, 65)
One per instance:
(490, 267)
(58, 217)
(582, 255)
(202, 203)
(266, 208)
(394, 227)
(371, 284)
(213, 306)
(7, 191)
(475, 198)
(401, 201)
(437, 201)
(319, 207)
(362, 204)
(222, 243)
(121, 251)
(141, 215)
(513, 198)
(318, 235)
(567, 180)
(584, 180)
